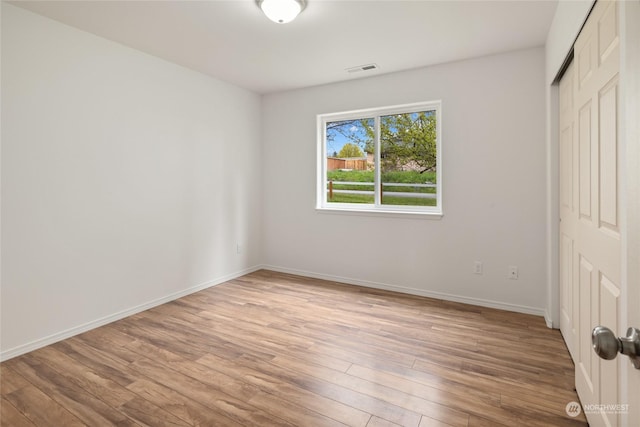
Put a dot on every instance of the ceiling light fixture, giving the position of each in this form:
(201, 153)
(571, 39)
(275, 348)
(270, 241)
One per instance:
(281, 11)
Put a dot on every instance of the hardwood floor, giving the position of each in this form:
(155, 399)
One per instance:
(276, 349)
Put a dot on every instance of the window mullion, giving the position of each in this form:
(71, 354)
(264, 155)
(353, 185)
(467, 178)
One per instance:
(376, 174)
(322, 165)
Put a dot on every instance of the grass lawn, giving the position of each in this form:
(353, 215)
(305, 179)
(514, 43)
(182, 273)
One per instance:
(394, 176)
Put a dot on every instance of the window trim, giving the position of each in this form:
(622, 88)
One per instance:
(376, 207)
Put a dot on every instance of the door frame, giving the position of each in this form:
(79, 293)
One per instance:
(630, 147)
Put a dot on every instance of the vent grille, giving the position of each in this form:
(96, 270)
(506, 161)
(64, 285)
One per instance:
(359, 68)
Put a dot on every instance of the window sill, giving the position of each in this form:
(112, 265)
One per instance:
(394, 213)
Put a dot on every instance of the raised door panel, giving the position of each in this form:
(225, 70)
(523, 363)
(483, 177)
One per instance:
(567, 292)
(566, 167)
(608, 39)
(608, 157)
(587, 361)
(585, 62)
(584, 161)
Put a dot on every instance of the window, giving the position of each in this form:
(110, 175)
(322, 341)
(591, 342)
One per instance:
(381, 160)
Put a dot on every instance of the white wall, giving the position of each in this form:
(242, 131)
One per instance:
(494, 186)
(126, 181)
(567, 22)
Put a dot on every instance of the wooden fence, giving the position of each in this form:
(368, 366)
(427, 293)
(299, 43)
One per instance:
(332, 190)
(334, 163)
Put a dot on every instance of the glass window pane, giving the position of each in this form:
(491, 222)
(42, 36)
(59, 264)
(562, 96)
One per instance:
(350, 161)
(408, 159)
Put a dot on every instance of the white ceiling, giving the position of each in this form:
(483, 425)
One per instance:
(233, 41)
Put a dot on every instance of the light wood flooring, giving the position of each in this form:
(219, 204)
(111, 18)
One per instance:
(276, 349)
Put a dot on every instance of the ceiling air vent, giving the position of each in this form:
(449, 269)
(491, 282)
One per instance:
(368, 67)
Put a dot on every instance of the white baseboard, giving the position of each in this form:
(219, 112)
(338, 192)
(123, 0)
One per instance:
(413, 291)
(43, 342)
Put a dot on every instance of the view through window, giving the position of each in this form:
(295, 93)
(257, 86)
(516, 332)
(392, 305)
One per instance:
(382, 159)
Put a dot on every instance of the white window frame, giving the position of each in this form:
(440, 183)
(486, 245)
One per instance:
(377, 208)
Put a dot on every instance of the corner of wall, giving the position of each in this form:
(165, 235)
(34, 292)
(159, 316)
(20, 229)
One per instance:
(548, 320)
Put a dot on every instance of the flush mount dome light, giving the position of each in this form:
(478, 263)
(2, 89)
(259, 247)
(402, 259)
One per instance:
(281, 11)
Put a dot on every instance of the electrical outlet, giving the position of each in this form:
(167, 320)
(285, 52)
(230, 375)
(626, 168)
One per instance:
(239, 248)
(513, 272)
(477, 267)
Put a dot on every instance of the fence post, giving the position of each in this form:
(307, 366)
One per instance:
(331, 190)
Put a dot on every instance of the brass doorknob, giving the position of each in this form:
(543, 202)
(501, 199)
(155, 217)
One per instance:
(607, 345)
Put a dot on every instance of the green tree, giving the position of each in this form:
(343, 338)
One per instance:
(350, 150)
(406, 139)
